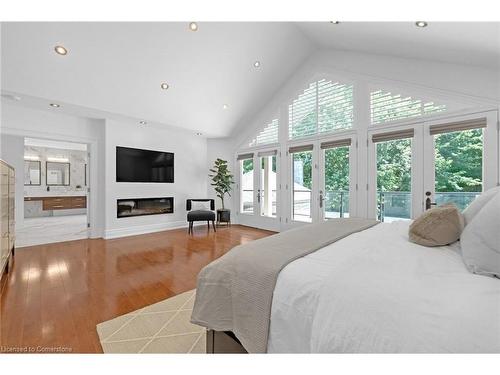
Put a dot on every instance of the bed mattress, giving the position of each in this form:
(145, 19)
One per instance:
(376, 292)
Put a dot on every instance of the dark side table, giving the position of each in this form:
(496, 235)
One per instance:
(224, 216)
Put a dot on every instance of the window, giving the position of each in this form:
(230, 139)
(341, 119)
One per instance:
(302, 167)
(336, 178)
(246, 182)
(268, 135)
(325, 106)
(394, 150)
(335, 106)
(458, 162)
(267, 188)
(384, 107)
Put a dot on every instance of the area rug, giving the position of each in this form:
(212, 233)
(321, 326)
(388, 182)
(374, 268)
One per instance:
(160, 328)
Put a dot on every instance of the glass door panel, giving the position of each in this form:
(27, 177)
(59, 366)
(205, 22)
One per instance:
(302, 176)
(394, 158)
(267, 194)
(336, 183)
(458, 168)
(247, 186)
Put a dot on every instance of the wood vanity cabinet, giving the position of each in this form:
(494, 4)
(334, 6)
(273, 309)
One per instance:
(60, 203)
(7, 223)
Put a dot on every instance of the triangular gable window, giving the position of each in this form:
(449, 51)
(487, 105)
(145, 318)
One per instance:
(268, 135)
(325, 106)
(385, 107)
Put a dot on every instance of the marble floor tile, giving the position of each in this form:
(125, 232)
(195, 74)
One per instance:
(43, 230)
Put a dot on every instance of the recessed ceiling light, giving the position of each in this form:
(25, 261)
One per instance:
(55, 105)
(142, 122)
(60, 50)
(225, 106)
(199, 133)
(193, 26)
(256, 64)
(421, 23)
(335, 22)
(164, 86)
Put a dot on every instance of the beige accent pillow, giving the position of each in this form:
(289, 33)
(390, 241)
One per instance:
(438, 226)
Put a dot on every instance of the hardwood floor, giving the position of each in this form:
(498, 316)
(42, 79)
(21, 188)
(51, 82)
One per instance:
(56, 294)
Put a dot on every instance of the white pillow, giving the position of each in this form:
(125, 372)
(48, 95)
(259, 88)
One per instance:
(478, 203)
(480, 240)
(200, 206)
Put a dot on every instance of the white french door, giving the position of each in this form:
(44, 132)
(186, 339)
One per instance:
(418, 166)
(302, 183)
(460, 159)
(322, 179)
(393, 172)
(259, 186)
(337, 178)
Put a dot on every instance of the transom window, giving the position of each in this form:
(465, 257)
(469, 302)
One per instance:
(385, 106)
(268, 135)
(325, 106)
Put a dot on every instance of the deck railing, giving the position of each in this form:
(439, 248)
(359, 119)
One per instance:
(391, 205)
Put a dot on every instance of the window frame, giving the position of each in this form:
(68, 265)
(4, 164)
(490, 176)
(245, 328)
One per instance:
(353, 169)
(416, 167)
(290, 184)
(240, 186)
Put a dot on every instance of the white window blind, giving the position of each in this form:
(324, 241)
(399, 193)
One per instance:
(335, 106)
(268, 135)
(384, 107)
(302, 114)
(325, 106)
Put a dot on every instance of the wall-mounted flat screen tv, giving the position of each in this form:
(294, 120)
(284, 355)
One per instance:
(135, 165)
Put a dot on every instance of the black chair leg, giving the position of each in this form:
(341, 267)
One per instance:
(208, 225)
(190, 228)
(213, 224)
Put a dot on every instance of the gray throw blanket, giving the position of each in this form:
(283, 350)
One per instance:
(235, 292)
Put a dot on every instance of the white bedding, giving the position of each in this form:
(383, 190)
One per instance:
(376, 292)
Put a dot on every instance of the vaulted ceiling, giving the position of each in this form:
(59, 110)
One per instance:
(470, 43)
(119, 67)
(213, 83)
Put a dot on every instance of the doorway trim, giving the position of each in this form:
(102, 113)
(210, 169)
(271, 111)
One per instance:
(96, 221)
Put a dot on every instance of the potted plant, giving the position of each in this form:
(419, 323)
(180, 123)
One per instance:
(222, 179)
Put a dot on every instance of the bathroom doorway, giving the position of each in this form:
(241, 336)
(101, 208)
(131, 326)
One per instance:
(56, 181)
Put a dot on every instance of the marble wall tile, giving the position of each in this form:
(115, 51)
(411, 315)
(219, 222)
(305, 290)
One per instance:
(78, 161)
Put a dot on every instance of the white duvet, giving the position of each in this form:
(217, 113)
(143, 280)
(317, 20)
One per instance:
(376, 292)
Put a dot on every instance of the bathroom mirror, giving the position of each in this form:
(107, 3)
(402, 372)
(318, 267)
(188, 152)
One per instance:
(57, 174)
(32, 172)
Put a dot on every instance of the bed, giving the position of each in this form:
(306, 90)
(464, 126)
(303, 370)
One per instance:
(373, 291)
(364, 294)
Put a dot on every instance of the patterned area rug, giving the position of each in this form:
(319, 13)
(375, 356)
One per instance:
(160, 328)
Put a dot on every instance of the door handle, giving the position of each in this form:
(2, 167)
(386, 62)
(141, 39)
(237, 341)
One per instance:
(321, 199)
(258, 196)
(428, 203)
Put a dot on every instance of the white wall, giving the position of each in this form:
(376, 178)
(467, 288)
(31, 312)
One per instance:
(221, 148)
(12, 152)
(453, 78)
(190, 167)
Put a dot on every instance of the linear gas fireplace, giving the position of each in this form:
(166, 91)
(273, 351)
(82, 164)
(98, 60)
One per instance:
(144, 206)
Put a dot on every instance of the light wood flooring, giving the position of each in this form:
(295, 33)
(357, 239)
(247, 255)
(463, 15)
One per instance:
(56, 294)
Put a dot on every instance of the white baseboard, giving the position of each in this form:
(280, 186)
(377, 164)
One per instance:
(144, 229)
